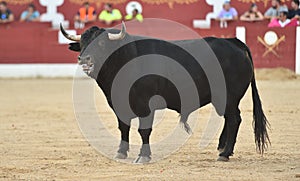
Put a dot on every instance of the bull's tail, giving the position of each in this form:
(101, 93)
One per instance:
(260, 122)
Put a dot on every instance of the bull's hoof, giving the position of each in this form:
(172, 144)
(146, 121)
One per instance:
(120, 156)
(142, 160)
(223, 159)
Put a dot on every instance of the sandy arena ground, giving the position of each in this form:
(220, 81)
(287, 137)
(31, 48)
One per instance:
(40, 138)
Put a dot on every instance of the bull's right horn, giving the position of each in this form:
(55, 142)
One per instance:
(120, 35)
(68, 36)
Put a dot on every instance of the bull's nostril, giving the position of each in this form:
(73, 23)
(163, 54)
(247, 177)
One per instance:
(84, 60)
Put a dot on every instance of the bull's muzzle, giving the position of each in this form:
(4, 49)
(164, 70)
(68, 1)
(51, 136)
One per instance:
(86, 63)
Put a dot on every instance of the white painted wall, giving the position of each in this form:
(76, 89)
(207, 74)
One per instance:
(52, 15)
(205, 23)
(40, 70)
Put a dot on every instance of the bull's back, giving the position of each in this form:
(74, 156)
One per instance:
(233, 57)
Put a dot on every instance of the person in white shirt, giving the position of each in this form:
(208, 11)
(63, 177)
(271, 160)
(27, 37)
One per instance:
(283, 21)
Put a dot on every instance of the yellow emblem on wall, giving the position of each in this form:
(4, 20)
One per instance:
(271, 42)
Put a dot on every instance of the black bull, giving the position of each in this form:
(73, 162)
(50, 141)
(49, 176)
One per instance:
(233, 56)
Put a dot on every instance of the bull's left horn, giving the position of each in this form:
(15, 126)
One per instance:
(120, 35)
(68, 36)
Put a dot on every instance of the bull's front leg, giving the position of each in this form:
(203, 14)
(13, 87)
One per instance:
(145, 129)
(124, 145)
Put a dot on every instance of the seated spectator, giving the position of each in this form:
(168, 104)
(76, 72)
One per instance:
(31, 14)
(110, 15)
(283, 21)
(228, 13)
(85, 14)
(6, 15)
(135, 15)
(294, 12)
(252, 15)
(273, 12)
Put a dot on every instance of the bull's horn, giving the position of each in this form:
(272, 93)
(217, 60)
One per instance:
(68, 36)
(120, 35)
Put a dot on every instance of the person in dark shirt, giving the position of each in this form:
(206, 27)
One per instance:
(294, 12)
(253, 14)
(6, 15)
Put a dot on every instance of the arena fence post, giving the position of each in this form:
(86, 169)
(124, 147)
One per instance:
(240, 33)
(297, 67)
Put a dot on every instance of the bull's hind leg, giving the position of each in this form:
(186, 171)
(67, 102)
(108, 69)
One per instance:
(232, 122)
(145, 129)
(124, 145)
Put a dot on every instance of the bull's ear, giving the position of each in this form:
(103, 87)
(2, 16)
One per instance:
(75, 47)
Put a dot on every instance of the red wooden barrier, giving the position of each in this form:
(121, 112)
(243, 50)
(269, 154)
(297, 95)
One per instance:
(38, 43)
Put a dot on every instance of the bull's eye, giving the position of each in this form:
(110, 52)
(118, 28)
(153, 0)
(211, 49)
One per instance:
(101, 43)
